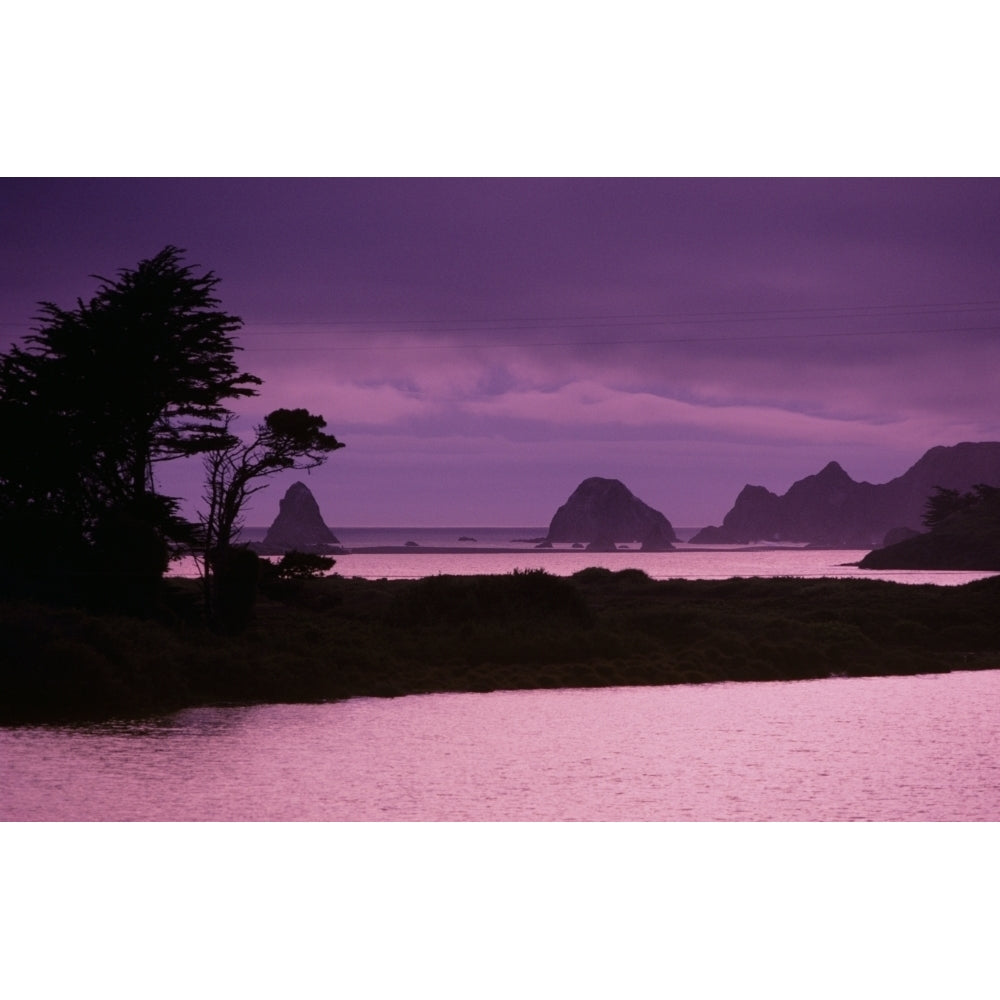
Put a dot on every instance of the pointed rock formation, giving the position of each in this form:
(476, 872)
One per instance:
(604, 511)
(299, 526)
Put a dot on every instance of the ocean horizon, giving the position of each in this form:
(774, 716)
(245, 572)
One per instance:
(438, 535)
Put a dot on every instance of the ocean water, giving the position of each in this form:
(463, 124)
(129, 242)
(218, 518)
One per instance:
(415, 552)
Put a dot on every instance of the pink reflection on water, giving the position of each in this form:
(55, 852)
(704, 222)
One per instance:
(891, 749)
(684, 564)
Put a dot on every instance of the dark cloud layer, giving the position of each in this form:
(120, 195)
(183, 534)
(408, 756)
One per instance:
(483, 345)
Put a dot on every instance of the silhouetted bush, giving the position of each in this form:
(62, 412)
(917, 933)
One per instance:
(296, 565)
(285, 579)
(529, 596)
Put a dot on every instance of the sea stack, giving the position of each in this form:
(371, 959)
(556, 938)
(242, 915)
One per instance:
(603, 512)
(299, 526)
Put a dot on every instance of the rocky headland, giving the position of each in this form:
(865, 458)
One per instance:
(831, 510)
(601, 513)
(967, 539)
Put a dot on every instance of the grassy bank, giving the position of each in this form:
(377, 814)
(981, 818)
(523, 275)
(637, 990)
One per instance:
(338, 638)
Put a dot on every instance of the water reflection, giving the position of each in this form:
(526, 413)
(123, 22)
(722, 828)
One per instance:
(900, 748)
(684, 564)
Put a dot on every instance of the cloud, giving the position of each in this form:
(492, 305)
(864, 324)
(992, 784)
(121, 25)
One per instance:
(463, 336)
(594, 404)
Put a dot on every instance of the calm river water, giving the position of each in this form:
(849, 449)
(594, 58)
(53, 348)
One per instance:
(897, 748)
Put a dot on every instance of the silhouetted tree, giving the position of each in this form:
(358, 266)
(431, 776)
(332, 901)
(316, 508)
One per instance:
(944, 503)
(100, 393)
(287, 439)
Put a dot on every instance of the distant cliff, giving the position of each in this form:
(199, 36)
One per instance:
(831, 509)
(299, 526)
(603, 512)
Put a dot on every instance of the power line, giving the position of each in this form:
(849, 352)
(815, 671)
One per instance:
(623, 342)
(296, 329)
(638, 319)
(545, 322)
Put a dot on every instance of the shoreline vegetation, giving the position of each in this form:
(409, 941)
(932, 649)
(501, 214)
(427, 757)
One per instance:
(334, 638)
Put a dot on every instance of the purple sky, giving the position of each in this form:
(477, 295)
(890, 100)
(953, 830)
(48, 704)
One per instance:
(482, 346)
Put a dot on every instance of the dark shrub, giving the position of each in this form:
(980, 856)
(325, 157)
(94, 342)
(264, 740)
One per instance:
(529, 595)
(285, 579)
(236, 574)
(302, 565)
